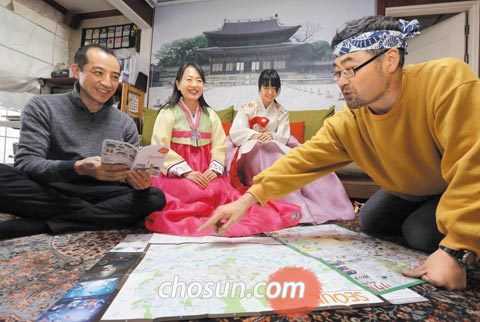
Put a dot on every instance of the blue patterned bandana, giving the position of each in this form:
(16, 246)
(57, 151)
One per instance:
(379, 39)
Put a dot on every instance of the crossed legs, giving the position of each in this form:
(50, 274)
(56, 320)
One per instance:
(63, 206)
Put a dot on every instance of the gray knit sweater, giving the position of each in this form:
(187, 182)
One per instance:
(57, 130)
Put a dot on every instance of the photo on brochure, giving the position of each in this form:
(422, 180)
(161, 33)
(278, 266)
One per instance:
(149, 158)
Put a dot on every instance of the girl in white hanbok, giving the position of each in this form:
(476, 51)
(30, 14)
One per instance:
(260, 134)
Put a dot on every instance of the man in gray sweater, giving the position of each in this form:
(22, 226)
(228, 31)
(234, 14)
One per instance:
(59, 183)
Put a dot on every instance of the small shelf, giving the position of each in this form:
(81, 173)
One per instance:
(56, 85)
(12, 121)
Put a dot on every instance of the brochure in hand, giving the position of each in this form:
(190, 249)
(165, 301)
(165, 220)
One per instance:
(149, 158)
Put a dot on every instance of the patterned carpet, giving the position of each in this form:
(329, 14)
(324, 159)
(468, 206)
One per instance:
(36, 271)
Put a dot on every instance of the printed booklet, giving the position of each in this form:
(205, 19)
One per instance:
(150, 157)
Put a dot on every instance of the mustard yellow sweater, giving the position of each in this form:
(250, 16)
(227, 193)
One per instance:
(427, 144)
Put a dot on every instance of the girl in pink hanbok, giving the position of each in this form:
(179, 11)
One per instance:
(193, 177)
(260, 134)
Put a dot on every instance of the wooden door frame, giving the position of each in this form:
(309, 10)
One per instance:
(428, 7)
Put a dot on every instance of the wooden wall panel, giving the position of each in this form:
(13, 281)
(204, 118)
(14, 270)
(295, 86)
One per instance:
(382, 4)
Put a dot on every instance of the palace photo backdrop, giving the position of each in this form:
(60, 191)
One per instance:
(234, 41)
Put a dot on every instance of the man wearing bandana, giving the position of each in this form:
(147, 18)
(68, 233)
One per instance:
(414, 130)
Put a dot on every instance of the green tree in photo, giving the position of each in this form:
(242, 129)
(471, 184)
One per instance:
(318, 50)
(177, 52)
(322, 50)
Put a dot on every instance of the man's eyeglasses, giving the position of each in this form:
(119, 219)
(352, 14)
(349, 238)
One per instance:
(349, 72)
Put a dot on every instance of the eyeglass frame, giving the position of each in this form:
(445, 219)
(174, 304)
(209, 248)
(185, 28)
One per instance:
(338, 74)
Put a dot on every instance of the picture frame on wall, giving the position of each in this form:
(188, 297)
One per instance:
(103, 33)
(118, 42)
(132, 102)
(118, 31)
(115, 37)
(126, 30)
(111, 32)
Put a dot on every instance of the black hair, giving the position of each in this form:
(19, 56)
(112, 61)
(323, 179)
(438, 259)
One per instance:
(176, 94)
(269, 77)
(365, 24)
(81, 58)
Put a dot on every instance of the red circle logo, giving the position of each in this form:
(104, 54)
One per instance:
(293, 291)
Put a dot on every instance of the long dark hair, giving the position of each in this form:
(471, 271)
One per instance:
(176, 94)
(269, 77)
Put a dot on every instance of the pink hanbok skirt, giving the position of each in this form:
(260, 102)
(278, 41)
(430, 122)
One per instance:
(322, 200)
(189, 205)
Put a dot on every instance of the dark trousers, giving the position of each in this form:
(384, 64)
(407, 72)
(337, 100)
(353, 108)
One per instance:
(385, 213)
(73, 206)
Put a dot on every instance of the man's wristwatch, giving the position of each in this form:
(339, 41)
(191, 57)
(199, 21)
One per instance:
(464, 256)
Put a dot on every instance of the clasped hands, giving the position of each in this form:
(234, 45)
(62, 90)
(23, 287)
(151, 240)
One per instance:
(93, 166)
(202, 179)
(262, 137)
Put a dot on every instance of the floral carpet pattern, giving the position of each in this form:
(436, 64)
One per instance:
(36, 271)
